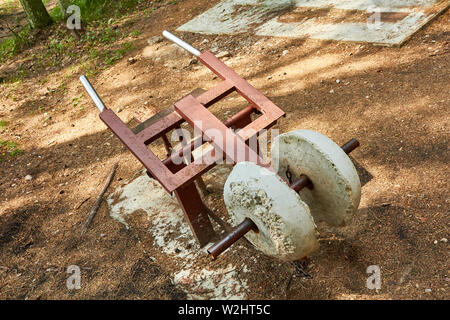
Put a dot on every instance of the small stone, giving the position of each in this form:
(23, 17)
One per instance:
(435, 241)
(119, 109)
(154, 40)
(427, 290)
(132, 60)
(223, 54)
(444, 240)
(28, 178)
(269, 77)
(285, 52)
(205, 41)
(338, 81)
(332, 91)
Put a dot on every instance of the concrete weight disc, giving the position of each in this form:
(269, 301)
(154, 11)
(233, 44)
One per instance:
(286, 228)
(337, 189)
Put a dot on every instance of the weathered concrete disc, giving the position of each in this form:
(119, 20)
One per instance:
(337, 189)
(286, 228)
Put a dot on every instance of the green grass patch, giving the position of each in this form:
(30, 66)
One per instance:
(113, 56)
(13, 44)
(9, 149)
(8, 6)
(3, 124)
(94, 10)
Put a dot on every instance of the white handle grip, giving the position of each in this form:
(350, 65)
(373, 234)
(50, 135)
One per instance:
(92, 93)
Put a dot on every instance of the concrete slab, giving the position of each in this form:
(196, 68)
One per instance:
(379, 22)
(174, 240)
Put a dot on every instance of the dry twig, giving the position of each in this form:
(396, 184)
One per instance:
(99, 200)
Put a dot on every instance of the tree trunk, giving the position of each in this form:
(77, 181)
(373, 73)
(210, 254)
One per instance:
(63, 5)
(37, 15)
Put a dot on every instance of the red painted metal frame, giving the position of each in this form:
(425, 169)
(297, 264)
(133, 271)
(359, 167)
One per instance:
(180, 178)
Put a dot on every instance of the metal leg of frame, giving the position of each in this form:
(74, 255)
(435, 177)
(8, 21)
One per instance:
(194, 210)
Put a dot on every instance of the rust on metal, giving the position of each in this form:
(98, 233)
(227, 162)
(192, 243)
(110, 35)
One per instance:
(230, 144)
(350, 145)
(195, 213)
(180, 177)
(302, 182)
(233, 236)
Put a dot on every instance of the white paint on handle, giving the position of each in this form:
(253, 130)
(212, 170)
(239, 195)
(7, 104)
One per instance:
(186, 46)
(92, 93)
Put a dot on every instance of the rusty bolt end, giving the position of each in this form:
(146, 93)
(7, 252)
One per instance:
(351, 145)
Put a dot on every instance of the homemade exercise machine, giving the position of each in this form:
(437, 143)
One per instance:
(274, 206)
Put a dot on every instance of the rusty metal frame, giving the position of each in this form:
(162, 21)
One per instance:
(180, 178)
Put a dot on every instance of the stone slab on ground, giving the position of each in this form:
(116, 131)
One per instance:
(380, 22)
(174, 240)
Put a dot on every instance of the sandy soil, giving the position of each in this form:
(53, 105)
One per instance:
(394, 100)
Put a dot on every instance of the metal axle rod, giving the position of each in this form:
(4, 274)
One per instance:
(248, 225)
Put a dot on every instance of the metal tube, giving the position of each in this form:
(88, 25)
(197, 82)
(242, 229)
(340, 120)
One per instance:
(186, 149)
(239, 116)
(351, 145)
(92, 93)
(302, 182)
(186, 46)
(238, 232)
(234, 235)
(229, 123)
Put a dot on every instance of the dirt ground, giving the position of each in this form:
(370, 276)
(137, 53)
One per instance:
(395, 101)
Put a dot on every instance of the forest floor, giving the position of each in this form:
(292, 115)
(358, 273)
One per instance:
(56, 153)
